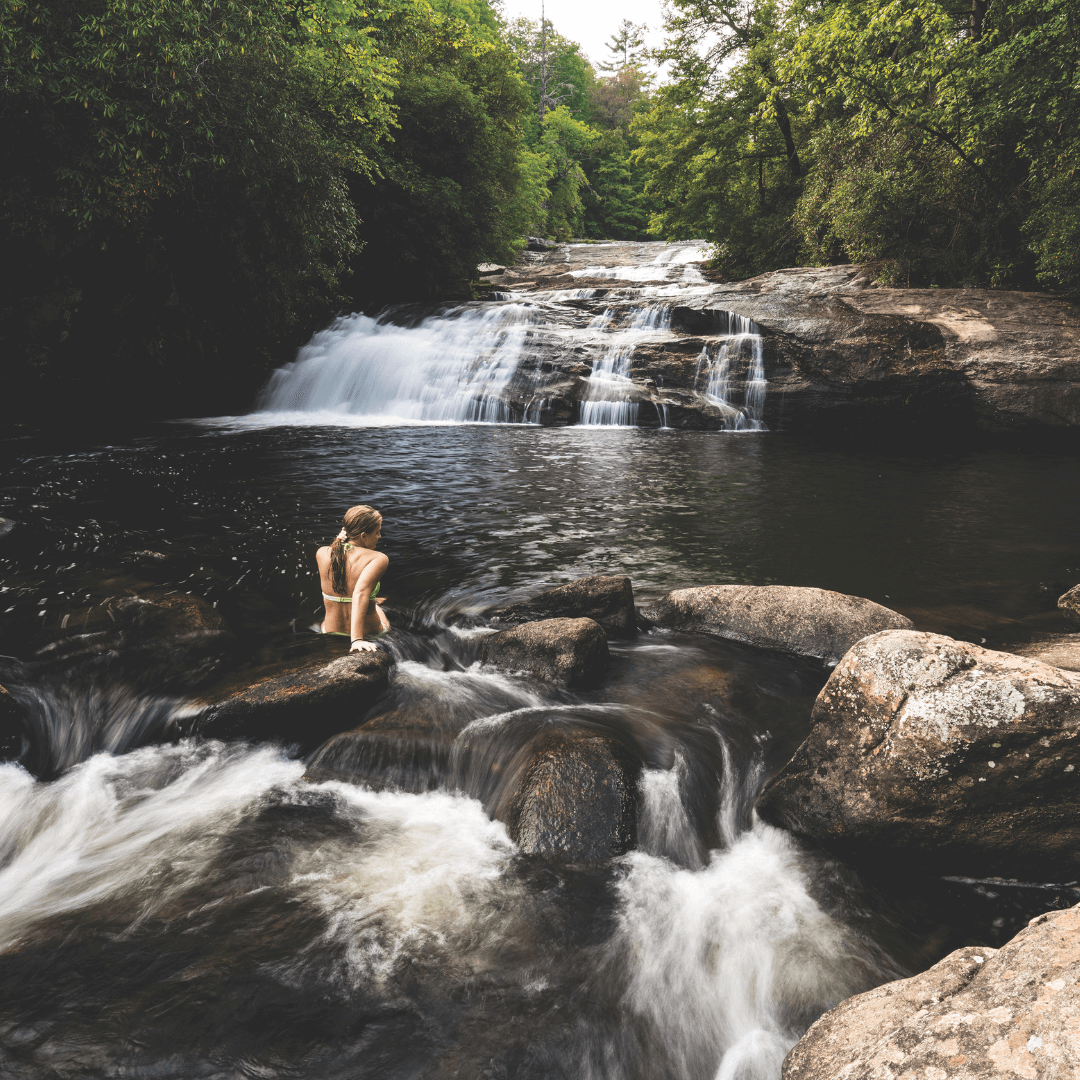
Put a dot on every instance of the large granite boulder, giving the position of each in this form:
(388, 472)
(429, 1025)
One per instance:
(809, 622)
(302, 705)
(1069, 604)
(570, 651)
(979, 1014)
(609, 600)
(933, 753)
(576, 799)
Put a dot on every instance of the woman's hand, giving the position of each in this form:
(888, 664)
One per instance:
(380, 599)
(360, 645)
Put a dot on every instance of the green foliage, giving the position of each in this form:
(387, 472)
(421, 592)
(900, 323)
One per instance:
(722, 144)
(455, 186)
(616, 206)
(935, 137)
(566, 142)
(986, 105)
(626, 46)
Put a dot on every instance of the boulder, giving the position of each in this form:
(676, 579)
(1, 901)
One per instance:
(809, 622)
(559, 650)
(979, 1014)
(6, 525)
(303, 705)
(608, 600)
(933, 753)
(1069, 604)
(576, 799)
(157, 642)
(398, 750)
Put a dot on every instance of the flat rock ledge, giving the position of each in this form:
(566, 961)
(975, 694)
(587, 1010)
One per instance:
(1057, 650)
(303, 705)
(607, 599)
(979, 1014)
(1069, 605)
(571, 651)
(805, 621)
(941, 756)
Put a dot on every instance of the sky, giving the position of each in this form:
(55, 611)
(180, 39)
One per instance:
(591, 23)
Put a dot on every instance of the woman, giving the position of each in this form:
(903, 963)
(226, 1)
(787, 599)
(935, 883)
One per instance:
(350, 572)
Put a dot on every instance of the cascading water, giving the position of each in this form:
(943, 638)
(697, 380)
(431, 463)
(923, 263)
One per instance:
(449, 368)
(520, 360)
(609, 402)
(740, 354)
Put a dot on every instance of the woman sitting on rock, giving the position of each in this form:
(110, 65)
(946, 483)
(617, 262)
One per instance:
(350, 572)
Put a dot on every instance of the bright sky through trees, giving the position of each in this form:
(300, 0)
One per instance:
(591, 25)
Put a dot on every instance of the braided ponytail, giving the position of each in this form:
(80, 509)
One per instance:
(359, 519)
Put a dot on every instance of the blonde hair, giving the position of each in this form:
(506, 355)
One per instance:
(358, 520)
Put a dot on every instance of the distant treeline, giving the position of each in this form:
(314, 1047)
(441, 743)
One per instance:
(937, 138)
(189, 188)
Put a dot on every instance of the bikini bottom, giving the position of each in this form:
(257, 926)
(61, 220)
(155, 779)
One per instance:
(345, 633)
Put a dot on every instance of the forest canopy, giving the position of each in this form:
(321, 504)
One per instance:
(935, 138)
(189, 189)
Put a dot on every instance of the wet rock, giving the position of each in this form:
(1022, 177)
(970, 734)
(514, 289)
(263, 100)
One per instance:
(576, 799)
(11, 725)
(538, 243)
(980, 1014)
(839, 350)
(6, 525)
(399, 750)
(568, 651)
(939, 755)
(1069, 604)
(608, 600)
(304, 705)
(809, 622)
(160, 642)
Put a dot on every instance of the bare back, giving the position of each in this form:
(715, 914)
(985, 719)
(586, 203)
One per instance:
(364, 568)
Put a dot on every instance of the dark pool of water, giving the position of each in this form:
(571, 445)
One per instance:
(976, 543)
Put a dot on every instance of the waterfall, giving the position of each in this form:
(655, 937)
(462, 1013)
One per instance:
(534, 356)
(609, 402)
(449, 368)
(740, 354)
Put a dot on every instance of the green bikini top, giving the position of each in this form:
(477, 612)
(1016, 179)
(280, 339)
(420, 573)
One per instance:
(348, 599)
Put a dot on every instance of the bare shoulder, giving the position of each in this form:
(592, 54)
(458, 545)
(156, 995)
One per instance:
(322, 556)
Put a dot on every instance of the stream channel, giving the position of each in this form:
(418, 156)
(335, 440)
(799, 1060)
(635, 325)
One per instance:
(196, 908)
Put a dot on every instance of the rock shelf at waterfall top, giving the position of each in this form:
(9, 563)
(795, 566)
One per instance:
(634, 334)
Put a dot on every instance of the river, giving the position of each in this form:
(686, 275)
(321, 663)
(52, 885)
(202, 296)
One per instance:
(198, 909)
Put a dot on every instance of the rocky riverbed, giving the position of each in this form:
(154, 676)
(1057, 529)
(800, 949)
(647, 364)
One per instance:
(837, 347)
(925, 755)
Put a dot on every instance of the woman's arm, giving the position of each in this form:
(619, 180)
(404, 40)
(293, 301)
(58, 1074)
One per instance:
(361, 601)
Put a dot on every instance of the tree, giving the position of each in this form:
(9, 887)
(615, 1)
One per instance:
(983, 94)
(626, 45)
(722, 143)
(553, 67)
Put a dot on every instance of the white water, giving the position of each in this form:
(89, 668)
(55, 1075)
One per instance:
(717, 961)
(609, 401)
(487, 362)
(737, 359)
(451, 367)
